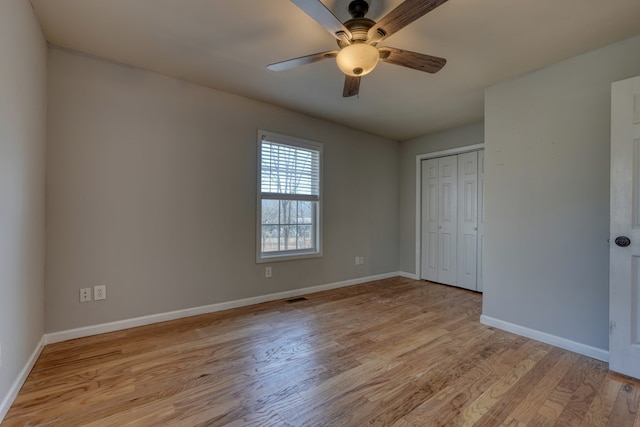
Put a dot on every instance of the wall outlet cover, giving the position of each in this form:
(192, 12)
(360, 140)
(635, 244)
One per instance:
(85, 294)
(99, 292)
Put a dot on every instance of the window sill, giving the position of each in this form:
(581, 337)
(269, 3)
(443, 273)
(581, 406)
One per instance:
(262, 258)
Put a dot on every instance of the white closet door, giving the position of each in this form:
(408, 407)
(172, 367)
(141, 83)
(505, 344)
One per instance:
(467, 220)
(481, 169)
(429, 238)
(448, 219)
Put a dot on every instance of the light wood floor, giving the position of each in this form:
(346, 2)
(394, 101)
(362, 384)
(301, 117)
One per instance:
(395, 352)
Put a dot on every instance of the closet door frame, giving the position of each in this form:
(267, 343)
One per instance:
(418, 226)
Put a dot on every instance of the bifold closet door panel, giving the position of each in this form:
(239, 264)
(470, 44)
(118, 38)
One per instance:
(467, 220)
(429, 238)
(448, 219)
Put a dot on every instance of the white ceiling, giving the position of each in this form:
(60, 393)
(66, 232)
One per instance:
(227, 44)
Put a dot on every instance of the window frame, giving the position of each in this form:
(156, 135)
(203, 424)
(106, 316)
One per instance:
(316, 252)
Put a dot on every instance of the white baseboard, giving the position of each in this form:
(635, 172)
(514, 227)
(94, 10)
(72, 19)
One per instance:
(576, 347)
(86, 331)
(408, 275)
(22, 377)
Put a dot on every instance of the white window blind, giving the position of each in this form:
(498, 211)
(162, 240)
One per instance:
(289, 172)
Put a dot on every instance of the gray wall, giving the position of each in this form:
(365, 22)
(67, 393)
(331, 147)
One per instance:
(23, 67)
(547, 195)
(454, 138)
(151, 190)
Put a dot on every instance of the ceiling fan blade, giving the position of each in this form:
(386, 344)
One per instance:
(303, 60)
(400, 17)
(323, 16)
(351, 86)
(406, 58)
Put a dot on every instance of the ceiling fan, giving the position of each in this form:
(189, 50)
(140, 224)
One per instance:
(359, 36)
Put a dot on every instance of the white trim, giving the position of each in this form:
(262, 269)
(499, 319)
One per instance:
(419, 159)
(576, 347)
(408, 275)
(179, 314)
(22, 377)
(451, 151)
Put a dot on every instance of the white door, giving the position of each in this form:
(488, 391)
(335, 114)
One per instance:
(467, 220)
(624, 256)
(480, 284)
(447, 219)
(429, 238)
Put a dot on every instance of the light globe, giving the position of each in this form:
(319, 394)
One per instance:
(357, 59)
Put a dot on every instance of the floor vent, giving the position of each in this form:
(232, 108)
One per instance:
(294, 300)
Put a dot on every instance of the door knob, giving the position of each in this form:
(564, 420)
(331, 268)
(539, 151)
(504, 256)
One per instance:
(623, 241)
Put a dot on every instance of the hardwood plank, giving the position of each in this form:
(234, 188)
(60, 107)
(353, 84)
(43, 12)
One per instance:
(447, 403)
(625, 410)
(528, 407)
(554, 406)
(508, 402)
(480, 406)
(600, 408)
(436, 373)
(583, 395)
(394, 352)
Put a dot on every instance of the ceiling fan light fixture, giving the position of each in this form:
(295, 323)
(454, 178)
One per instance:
(357, 59)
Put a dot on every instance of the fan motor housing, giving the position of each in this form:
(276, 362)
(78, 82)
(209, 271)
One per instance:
(359, 28)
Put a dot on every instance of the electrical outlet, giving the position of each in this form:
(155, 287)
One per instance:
(357, 260)
(361, 260)
(100, 292)
(85, 294)
(267, 272)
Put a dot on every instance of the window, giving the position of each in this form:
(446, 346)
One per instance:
(289, 198)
